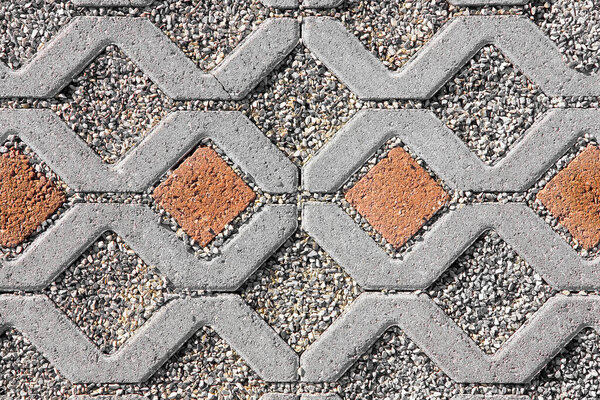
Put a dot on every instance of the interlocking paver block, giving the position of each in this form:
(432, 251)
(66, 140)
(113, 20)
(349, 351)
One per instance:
(370, 265)
(448, 346)
(67, 54)
(397, 196)
(573, 196)
(443, 56)
(78, 359)
(204, 194)
(27, 198)
(156, 244)
(83, 170)
(447, 155)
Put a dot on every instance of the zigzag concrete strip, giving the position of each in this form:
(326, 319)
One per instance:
(79, 360)
(84, 38)
(448, 346)
(490, 397)
(176, 135)
(372, 268)
(442, 57)
(156, 244)
(446, 154)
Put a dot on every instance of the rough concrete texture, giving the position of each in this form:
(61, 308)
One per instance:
(397, 197)
(335, 286)
(175, 136)
(443, 56)
(69, 52)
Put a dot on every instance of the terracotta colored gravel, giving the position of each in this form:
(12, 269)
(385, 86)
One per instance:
(204, 194)
(573, 197)
(27, 198)
(397, 196)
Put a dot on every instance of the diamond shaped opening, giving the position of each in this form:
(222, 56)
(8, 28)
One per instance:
(489, 104)
(207, 31)
(394, 364)
(300, 291)
(204, 194)
(490, 291)
(25, 373)
(573, 197)
(109, 292)
(395, 31)
(300, 105)
(397, 197)
(28, 198)
(111, 105)
(209, 368)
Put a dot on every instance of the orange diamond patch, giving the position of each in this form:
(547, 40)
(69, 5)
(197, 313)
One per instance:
(397, 196)
(204, 194)
(27, 198)
(573, 196)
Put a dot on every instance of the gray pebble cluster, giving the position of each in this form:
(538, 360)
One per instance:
(489, 291)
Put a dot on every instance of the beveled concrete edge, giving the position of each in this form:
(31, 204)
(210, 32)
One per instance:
(84, 38)
(181, 131)
(443, 56)
(521, 357)
(372, 268)
(444, 152)
(57, 248)
(80, 360)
